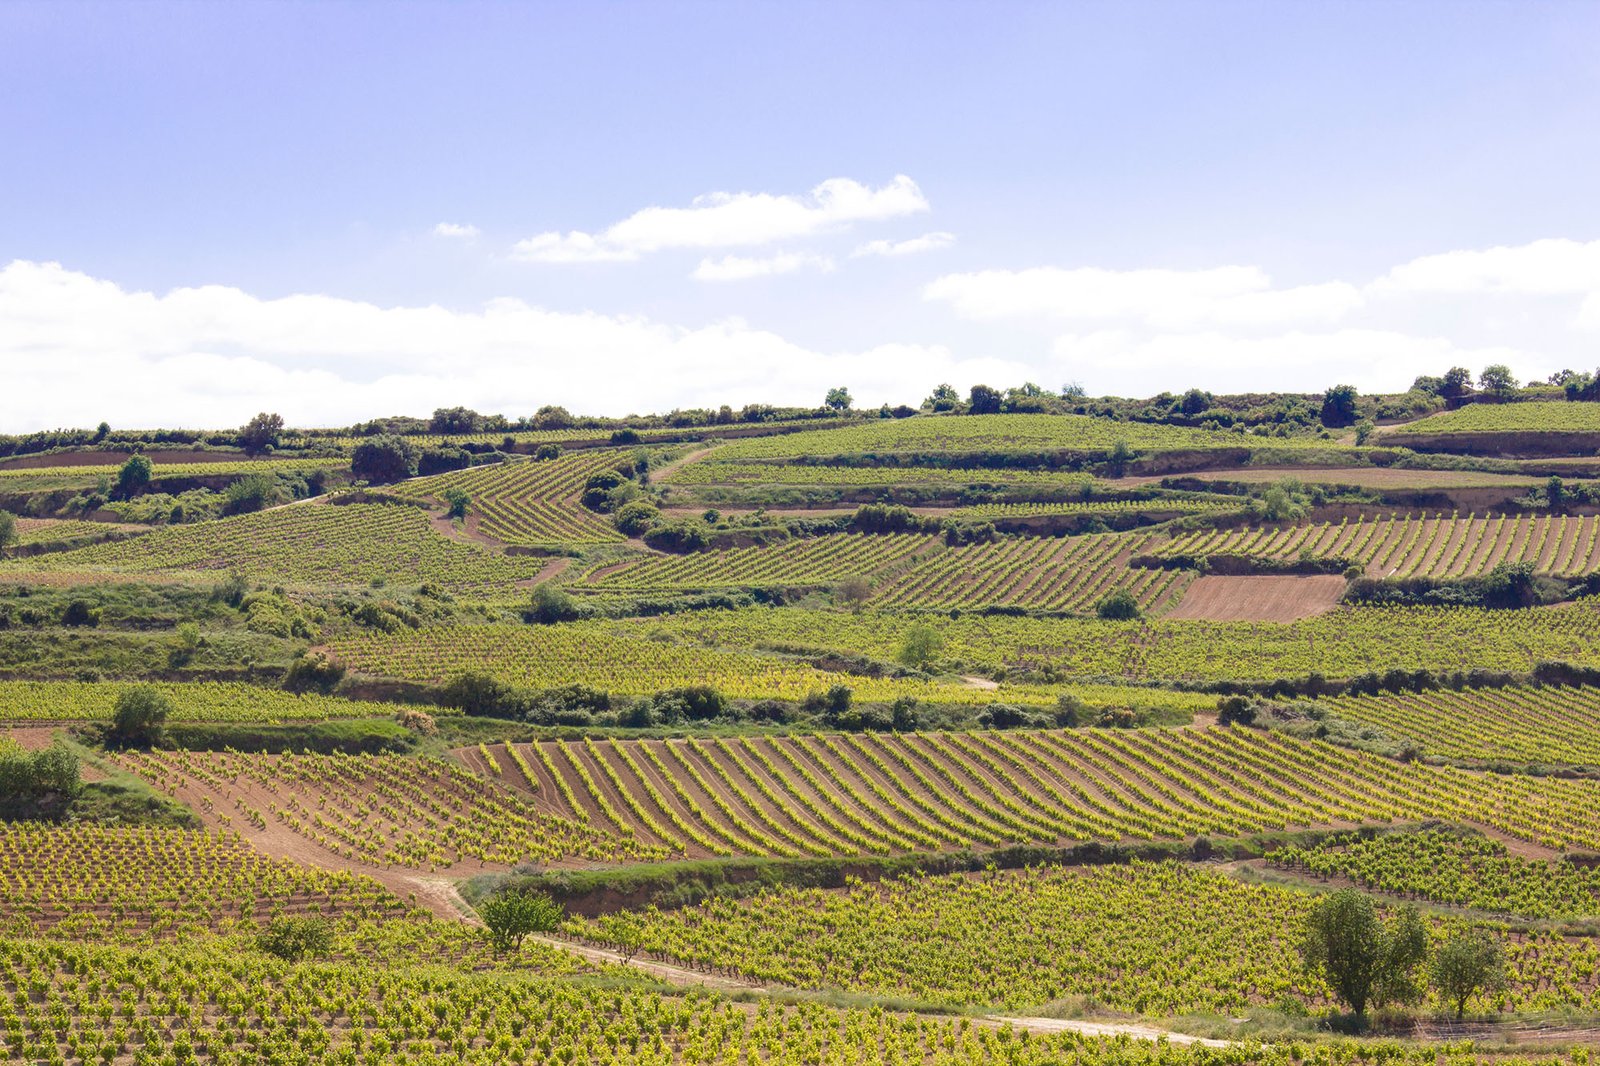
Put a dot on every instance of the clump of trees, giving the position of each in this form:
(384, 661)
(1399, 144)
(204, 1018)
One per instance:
(139, 718)
(1371, 961)
(383, 459)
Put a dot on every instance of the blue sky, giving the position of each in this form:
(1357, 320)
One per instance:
(210, 208)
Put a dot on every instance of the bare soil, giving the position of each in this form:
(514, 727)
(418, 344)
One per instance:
(1259, 599)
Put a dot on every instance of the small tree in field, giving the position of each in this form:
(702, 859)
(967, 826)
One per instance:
(261, 433)
(293, 939)
(1118, 605)
(8, 529)
(1467, 963)
(839, 399)
(921, 646)
(139, 716)
(512, 917)
(134, 477)
(852, 592)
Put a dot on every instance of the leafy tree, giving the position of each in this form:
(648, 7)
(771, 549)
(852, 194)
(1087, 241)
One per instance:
(80, 613)
(1195, 401)
(455, 420)
(134, 476)
(511, 917)
(139, 716)
(1236, 710)
(920, 647)
(383, 459)
(476, 693)
(552, 603)
(1339, 406)
(101, 432)
(1363, 961)
(252, 492)
(1555, 496)
(1071, 711)
(8, 529)
(635, 519)
(1118, 605)
(1073, 392)
(294, 938)
(1471, 961)
(458, 500)
(313, 672)
(1457, 382)
(839, 399)
(1364, 431)
(943, 398)
(546, 452)
(983, 400)
(1497, 380)
(261, 433)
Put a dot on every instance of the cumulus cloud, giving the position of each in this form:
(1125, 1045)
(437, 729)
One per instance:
(1228, 295)
(456, 230)
(738, 267)
(730, 220)
(77, 349)
(1551, 267)
(928, 242)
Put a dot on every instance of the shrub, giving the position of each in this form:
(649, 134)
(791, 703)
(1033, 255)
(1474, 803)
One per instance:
(478, 694)
(920, 647)
(636, 518)
(552, 603)
(383, 459)
(139, 716)
(458, 502)
(80, 613)
(261, 433)
(295, 938)
(1236, 710)
(1118, 605)
(313, 672)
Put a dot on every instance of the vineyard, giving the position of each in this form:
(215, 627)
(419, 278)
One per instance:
(1525, 725)
(807, 561)
(1054, 574)
(1338, 644)
(307, 543)
(1160, 505)
(1530, 417)
(1166, 940)
(713, 470)
(619, 659)
(842, 794)
(983, 433)
(1452, 867)
(526, 502)
(1407, 546)
(379, 810)
(200, 701)
(94, 883)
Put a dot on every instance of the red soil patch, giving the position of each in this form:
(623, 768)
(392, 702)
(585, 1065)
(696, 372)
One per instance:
(1259, 599)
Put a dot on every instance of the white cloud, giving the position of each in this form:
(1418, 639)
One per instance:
(1229, 295)
(77, 349)
(738, 268)
(928, 242)
(456, 230)
(1545, 267)
(731, 220)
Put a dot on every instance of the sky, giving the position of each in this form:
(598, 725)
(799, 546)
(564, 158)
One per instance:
(340, 211)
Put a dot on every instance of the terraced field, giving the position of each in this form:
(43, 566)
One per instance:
(857, 794)
(380, 811)
(1407, 546)
(527, 502)
(1555, 725)
(1046, 573)
(112, 884)
(807, 561)
(308, 543)
(194, 701)
(714, 470)
(1535, 416)
(1154, 939)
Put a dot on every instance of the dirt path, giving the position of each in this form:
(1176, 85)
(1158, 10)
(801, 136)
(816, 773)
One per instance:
(980, 682)
(662, 473)
(1129, 1029)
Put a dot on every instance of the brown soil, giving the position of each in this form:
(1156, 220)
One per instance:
(178, 455)
(1259, 599)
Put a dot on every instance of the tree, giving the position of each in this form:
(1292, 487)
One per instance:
(1361, 960)
(383, 459)
(943, 398)
(261, 433)
(1471, 961)
(253, 492)
(1339, 406)
(293, 938)
(920, 647)
(1118, 458)
(101, 432)
(313, 672)
(1118, 606)
(134, 476)
(1497, 380)
(8, 529)
(455, 420)
(512, 917)
(1236, 710)
(983, 400)
(1073, 392)
(1364, 431)
(476, 693)
(458, 500)
(551, 604)
(1457, 382)
(139, 716)
(839, 399)
(635, 519)
(1555, 496)
(1195, 401)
